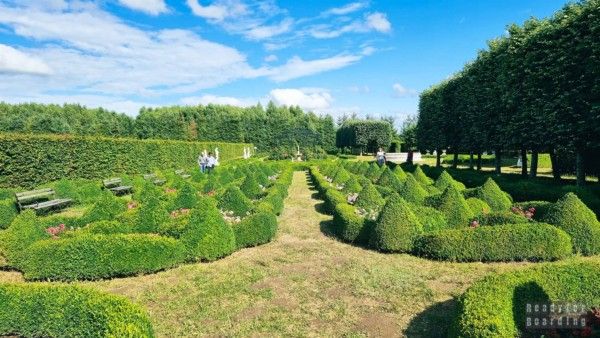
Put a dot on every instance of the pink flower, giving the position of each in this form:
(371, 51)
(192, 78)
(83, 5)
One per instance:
(474, 223)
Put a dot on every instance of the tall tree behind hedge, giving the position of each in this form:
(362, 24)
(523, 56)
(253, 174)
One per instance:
(366, 135)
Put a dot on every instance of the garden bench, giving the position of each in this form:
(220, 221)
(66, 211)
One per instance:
(181, 173)
(114, 185)
(154, 179)
(40, 200)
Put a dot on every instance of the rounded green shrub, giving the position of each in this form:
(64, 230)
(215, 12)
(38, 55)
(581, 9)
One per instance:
(369, 198)
(455, 208)
(478, 207)
(500, 217)
(397, 227)
(491, 193)
(8, 212)
(147, 190)
(349, 226)
(234, 200)
(212, 184)
(341, 177)
(107, 207)
(574, 217)
(495, 306)
(262, 178)
(20, 235)
(412, 191)
(250, 188)
(389, 180)
(430, 218)
(207, 237)
(187, 197)
(91, 256)
(421, 177)
(352, 186)
(151, 216)
(502, 243)
(255, 229)
(107, 228)
(444, 180)
(46, 310)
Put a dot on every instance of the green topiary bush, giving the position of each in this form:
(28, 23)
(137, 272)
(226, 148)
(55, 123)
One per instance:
(389, 180)
(107, 207)
(349, 225)
(421, 177)
(352, 186)
(22, 232)
(250, 188)
(208, 237)
(212, 184)
(400, 173)
(541, 208)
(369, 198)
(501, 217)
(8, 212)
(151, 215)
(256, 229)
(187, 197)
(341, 177)
(430, 218)
(494, 306)
(412, 191)
(45, 310)
(444, 180)
(491, 193)
(91, 256)
(574, 217)
(107, 228)
(455, 209)
(234, 200)
(397, 227)
(146, 191)
(509, 242)
(373, 172)
(478, 207)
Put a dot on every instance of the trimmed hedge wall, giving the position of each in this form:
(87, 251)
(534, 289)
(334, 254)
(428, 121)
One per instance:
(89, 256)
(509, 242)
(487, 309)
(45, 310)
(27, 160)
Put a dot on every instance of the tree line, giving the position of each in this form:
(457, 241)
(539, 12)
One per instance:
(536, 89)
(267, 128)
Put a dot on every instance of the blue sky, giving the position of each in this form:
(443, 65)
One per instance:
(365, 57)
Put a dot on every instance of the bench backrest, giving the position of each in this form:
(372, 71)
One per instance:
(179, 171)
(149, 176)
(34, 195)
(112, 182)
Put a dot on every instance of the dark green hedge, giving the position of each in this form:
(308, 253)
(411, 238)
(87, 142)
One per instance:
(494, 307)
(88, 256)
(510, 242)
(28, 160)
(44, 310)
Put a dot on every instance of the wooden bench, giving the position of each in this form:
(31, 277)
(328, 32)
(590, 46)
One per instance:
(154, 179)
(40, 200)
(181, 173)
(114, 185)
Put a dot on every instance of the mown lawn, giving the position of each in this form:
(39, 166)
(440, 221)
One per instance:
(303, 284)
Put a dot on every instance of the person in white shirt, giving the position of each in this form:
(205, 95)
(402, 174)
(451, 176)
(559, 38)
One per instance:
(202, 161)
(380, 157)
(210, 162)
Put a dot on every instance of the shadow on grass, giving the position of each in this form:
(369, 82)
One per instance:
(435, 321)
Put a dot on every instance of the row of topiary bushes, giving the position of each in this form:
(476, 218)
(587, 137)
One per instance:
(45, 310)
(496, 305)
(29, 160)
(394, 211)
(202, 219)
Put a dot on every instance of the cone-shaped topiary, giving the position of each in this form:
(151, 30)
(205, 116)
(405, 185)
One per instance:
(225, 177)
(7, 212)
(261, 178)
(250, 188)
(186, 197)
(455, 209)
(147, 190)
(389, 180)
(412, 191)
(373, 172)
(106, 208)
(430, 218)
(362, 168)
(400, 173)
(397, 227)
(369, 198)
(233, 199)
(421, 177)
(444, 180)
(478, 207)
(342, 176)
(212, 184)
(575, 218)
(491, 193)
(256, 229)
(352, 186)
(208, 236)
(151, 216)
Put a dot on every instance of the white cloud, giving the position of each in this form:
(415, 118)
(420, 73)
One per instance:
(264, 32)
(371, 22)
(347, 9)
(271, 58)
(17, 62)
(306, 98)
(296, 67)
(379, 22)
(218, 11)
(359, 89)
(152, 7)
(228, 100)
(401, 91)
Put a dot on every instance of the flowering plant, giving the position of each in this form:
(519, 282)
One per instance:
(367, 213)
(177, 213)
(55, 231)
(170, 190)
(529, 213)
(474, 224)
(351, 198)
(132, 205)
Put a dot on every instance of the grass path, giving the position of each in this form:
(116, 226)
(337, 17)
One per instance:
(302, 284)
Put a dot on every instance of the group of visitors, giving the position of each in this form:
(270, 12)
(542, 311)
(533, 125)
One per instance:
(207, 162)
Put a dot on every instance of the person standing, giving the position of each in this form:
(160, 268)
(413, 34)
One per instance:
(202, 162)
(211, 161)
(380, 157)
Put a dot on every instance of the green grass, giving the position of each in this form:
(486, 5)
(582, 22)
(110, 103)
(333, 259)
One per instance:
(304, 283)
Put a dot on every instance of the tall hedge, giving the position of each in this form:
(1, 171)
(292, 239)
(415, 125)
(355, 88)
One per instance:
(366, 135)
(28, 160)
(45, 310)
